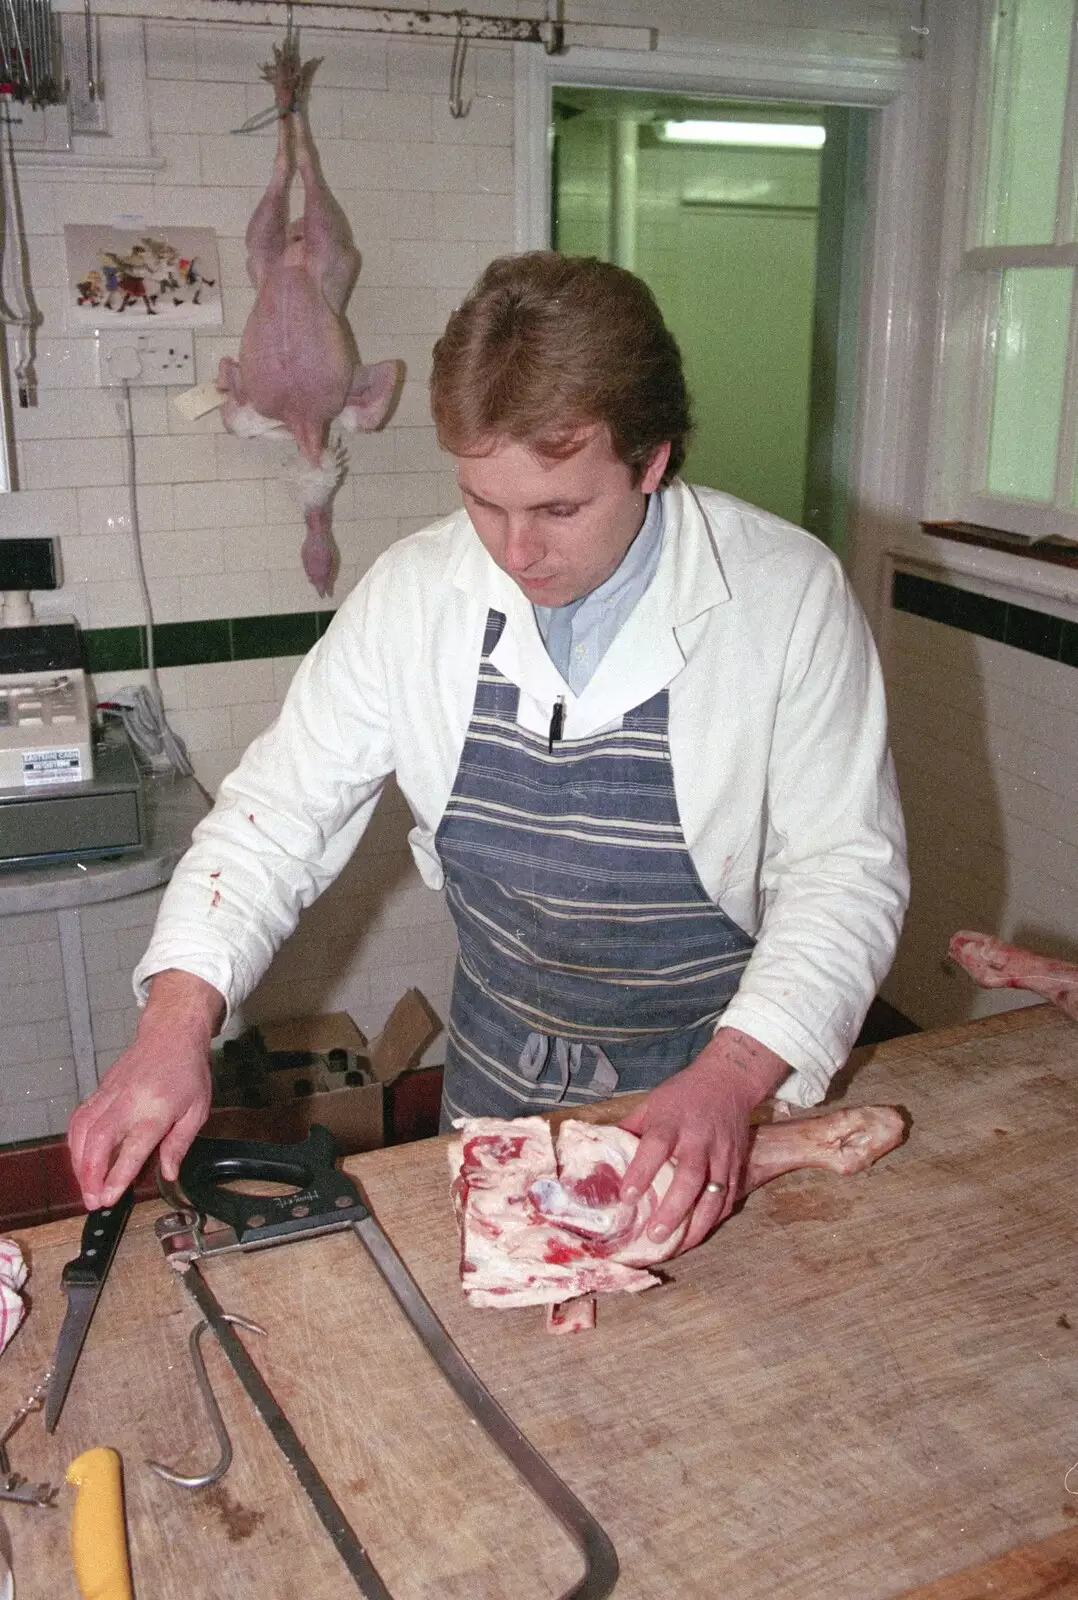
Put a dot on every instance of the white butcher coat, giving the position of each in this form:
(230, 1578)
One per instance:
(777, 730)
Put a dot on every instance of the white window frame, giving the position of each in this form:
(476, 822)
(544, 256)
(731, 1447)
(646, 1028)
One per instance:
(972, 277)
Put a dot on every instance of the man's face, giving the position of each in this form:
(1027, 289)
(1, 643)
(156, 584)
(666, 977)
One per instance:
(558, 528)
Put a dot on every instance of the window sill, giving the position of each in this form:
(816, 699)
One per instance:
(1061, 552)
(985, 563)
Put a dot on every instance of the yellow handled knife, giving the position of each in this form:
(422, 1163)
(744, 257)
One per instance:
(98, 1533)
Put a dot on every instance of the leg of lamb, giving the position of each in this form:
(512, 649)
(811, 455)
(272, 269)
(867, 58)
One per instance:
(995, 965)
(546, 1226)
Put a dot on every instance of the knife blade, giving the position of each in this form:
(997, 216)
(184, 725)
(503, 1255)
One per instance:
(82, 1280)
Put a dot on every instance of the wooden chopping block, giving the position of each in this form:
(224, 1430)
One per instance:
(1030, 1572)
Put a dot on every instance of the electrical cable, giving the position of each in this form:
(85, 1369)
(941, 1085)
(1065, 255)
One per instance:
(142, 710)
(136, 539)
(17, 310)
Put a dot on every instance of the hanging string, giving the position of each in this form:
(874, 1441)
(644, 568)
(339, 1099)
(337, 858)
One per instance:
(273, 113)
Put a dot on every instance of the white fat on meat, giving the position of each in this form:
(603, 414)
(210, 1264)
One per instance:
(583, 1197)
(512, 1254)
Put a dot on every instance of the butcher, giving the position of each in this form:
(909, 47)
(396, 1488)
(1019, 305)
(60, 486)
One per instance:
(641, 729)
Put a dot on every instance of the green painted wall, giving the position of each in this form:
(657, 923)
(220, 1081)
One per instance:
(726, 238)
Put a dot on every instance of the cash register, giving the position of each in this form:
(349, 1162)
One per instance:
(67, 791)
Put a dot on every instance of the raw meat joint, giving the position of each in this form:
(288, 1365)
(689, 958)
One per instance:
(298, 370)
(542, 1224)
(995, 965)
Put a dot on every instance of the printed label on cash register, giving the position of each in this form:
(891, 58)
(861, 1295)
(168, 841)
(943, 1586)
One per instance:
(41, 767)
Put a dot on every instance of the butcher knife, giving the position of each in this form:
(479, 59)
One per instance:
(82, 1281)
(324, 1200)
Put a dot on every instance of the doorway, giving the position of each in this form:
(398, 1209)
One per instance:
(746, 220)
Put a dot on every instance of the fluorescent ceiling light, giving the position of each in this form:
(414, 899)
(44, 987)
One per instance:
(785, 135)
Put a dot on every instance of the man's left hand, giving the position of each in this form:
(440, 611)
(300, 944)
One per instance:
(699, 1120)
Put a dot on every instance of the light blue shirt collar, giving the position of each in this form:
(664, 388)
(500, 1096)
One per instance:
(578, 635)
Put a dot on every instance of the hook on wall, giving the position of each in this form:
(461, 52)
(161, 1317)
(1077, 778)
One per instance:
(554, 43)
(457, 107)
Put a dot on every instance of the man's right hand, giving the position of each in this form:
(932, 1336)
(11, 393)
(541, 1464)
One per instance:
(157, 1093)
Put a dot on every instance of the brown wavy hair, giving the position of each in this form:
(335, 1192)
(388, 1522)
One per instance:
(546, 346)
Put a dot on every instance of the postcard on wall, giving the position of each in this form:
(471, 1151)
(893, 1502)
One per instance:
(119, 276)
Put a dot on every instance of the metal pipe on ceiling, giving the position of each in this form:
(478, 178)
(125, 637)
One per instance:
(554, 33)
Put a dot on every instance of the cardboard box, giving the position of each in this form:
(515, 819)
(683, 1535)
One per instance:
(278, 1080)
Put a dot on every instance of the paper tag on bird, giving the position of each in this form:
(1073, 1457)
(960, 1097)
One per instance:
(196, 402)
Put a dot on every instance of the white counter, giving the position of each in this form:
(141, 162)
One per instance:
(173, 806)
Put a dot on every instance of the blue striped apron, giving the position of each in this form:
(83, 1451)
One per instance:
(591, 957)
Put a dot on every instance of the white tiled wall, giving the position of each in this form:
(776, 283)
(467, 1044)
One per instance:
(114, 936)
(429, 201)
(985, 739)
(37, 1072)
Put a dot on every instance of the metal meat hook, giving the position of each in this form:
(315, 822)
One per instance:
(457, 108)
(92, 85)
(263, 119)
(203, 1480)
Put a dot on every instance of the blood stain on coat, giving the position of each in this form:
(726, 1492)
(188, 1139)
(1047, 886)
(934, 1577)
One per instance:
(216, 901)
(239, 1521)
(806, 1205)
(356, 1485)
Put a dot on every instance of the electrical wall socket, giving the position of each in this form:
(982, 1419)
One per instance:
(144, 357)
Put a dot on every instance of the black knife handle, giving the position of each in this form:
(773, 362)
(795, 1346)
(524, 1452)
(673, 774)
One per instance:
(100, 1235)
(322, 1195)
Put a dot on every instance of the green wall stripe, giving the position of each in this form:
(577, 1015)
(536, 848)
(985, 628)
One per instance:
(114, 649)
(192, 644)
(1036, 632)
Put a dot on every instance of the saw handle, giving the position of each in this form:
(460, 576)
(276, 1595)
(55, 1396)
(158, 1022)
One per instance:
(322, 1193)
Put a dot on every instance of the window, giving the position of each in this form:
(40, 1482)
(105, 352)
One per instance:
(1009, 401)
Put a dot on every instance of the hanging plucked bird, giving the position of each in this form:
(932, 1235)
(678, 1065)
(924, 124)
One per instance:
(298, 370)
